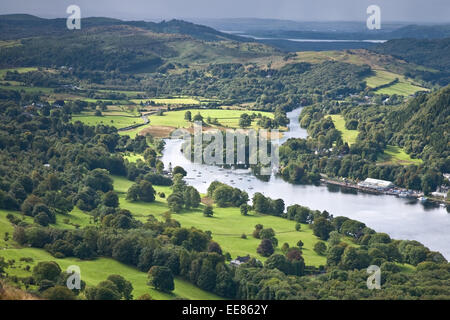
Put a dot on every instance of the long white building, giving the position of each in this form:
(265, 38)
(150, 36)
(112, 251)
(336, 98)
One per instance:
(376, 184)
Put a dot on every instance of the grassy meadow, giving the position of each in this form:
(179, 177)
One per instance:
(227, 225)
(226, 118)
(404, 86)
(348, 136)
(396, 155)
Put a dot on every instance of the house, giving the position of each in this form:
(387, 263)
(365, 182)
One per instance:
(376, 184)
(240, 260)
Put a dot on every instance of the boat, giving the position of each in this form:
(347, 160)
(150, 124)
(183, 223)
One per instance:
(423, 199)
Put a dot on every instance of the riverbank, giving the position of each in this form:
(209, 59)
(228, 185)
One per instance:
(395, 191)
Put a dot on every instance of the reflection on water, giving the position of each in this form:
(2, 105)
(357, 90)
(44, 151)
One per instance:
(400, 218)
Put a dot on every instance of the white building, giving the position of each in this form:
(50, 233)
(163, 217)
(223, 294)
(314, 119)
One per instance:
(376, 184)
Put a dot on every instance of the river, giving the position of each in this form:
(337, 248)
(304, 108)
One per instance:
(400, 218)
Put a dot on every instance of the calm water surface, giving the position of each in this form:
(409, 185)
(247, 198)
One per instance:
(400, 218)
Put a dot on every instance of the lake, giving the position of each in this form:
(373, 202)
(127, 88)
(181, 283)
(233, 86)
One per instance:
(401, 218)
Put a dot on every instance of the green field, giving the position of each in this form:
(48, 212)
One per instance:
(95, 271)
(396, 155)
(118, 121)
(19, 70)
(401, 88)
(348, 136)
(227, 225)
(169, 101)
(226, 118)
(133, 157)
(404, 86)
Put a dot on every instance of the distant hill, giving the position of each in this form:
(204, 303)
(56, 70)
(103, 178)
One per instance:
(106, 44)
(432, 54)
(18, 26)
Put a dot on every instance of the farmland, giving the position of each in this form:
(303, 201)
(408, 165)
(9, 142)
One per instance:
(110, 120)
(226, 118)
(396, 155)
(348, 136)
(403, 86)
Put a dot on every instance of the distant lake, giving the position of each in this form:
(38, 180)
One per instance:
(309, 40)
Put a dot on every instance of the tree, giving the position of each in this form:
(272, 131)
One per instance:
(58, 293)
(124, 287)
(300, 244)
(298, 226)
(110, 199)
(245, 120)
(175, 202)
(133, 192)
(353, 258)
(46, 270)
(105, 290)
(214, 247)
(208, 211)
(99, 179)
(265, 248)
(159, 167)
(322, 228)
(161, 278)
(267, 233)
(179, 170)
(42, 219)
(191, 197)
(143, 190)
(278, 207)
(334, 238)
(320, 248)
(188, 116)
(244, 208)
(198, 117)
(294, 254)
(260, 203)
(257, 231)
(146, 191)
(3, 265)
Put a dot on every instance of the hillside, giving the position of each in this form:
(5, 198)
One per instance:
(422, 126)
(431, 54)
(16, 26)
(113, 45)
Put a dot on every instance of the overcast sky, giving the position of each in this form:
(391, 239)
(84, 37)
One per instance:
(300, 10)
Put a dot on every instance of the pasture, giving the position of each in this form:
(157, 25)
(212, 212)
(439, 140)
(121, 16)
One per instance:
(348, 136)
(396, 155)
(226, 118)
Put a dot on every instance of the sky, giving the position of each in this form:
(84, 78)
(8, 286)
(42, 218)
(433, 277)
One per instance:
(418, 11)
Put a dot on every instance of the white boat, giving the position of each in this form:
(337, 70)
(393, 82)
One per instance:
(423, 199)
